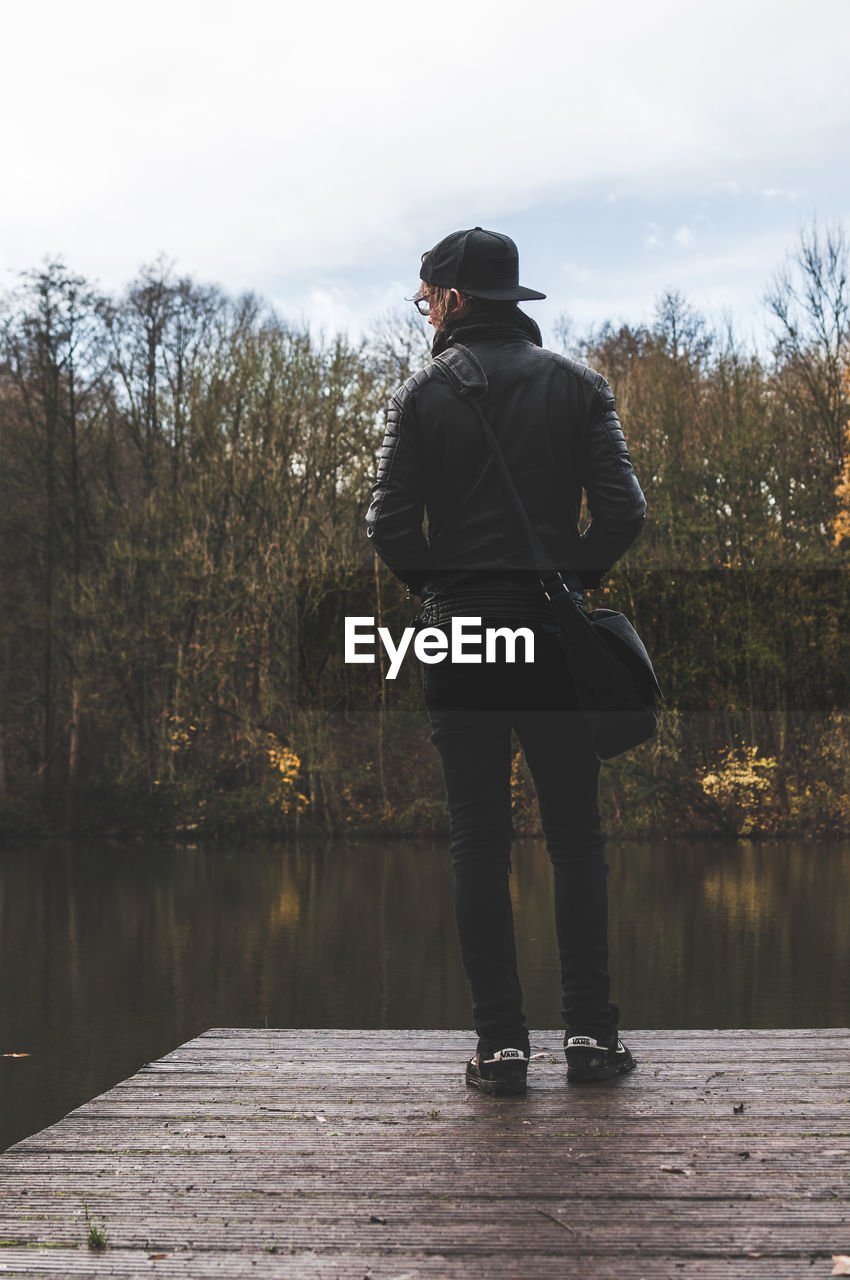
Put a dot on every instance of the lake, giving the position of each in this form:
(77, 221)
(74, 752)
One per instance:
(113, 955)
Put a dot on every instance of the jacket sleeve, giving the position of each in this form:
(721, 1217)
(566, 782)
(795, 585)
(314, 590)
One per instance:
(394, 518)
(614, 497)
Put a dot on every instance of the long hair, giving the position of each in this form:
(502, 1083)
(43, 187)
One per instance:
(444, 308)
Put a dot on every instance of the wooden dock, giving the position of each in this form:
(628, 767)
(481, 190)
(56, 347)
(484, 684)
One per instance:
(347, 1155)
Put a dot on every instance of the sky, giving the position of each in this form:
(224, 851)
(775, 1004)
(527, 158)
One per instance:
(311, 153)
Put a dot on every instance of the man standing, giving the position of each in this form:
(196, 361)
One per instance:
(557, 427)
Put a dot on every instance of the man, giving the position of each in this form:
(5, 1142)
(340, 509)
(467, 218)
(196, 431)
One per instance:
(557, 427)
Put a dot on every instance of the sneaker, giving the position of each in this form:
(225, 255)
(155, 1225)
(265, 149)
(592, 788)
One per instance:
(502, 1073)
(589, 1059)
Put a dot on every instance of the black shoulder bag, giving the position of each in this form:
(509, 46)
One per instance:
(617, 689)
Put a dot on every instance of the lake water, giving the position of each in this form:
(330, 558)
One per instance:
(112, 956)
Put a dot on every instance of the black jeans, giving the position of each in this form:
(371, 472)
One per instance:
(473, 710)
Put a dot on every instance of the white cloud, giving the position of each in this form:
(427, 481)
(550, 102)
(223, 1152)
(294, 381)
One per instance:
(269, 146)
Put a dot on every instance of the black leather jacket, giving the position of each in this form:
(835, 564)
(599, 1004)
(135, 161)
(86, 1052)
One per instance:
(558, 429)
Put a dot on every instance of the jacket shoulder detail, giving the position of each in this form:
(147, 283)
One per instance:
(584, 374)
(462, 369)
(402, 394)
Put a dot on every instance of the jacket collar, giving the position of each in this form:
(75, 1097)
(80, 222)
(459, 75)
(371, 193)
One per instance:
(462, 369)
(489, 324)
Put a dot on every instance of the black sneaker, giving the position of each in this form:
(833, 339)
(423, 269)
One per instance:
(589, 1059)
(502, 1072)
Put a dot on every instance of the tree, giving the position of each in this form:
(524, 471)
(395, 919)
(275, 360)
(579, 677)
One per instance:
(53, 355)
(809, 301)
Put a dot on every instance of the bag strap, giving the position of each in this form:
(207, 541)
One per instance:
(466, 375)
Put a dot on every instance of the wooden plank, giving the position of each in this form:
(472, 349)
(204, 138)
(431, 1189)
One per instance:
(335, 1153)
(262, 1265)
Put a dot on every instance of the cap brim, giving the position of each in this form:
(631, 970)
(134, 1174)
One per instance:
(517, 293)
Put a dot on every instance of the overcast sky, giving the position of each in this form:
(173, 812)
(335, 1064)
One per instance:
(312, 152)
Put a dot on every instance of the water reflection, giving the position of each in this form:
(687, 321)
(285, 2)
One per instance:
(113, 956)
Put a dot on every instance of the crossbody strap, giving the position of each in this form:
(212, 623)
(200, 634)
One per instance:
(552, 580)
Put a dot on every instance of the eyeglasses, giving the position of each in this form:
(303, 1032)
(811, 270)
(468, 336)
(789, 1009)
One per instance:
(421, 303)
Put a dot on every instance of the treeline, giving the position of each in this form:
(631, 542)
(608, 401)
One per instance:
(183, 478)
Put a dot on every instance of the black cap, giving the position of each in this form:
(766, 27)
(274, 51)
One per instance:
(479, 263)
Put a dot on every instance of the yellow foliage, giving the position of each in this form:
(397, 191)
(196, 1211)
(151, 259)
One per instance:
(841, 528)
(821, 797)
(287, 764)
(740, 781)
(179, 734)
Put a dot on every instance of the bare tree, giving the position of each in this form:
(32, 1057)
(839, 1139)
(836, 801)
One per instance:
(809, 301)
